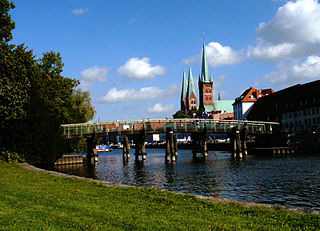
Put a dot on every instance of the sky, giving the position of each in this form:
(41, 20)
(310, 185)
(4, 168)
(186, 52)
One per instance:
(130, 54)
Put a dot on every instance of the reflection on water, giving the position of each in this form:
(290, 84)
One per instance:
(289, 181)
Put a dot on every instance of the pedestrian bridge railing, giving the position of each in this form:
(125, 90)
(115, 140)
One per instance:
(150, 126)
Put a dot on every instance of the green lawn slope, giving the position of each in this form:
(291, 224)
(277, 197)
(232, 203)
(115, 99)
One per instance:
(31, 200)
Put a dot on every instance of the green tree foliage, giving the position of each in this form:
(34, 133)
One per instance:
(16, 65)
(35, 99)
(180, 114)
(6, 25)
(54, 101)
(188, 114)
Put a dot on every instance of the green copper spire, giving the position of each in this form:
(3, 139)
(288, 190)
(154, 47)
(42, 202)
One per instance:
(211, 79)
(184, 86)
(191, 84)
(204, 71)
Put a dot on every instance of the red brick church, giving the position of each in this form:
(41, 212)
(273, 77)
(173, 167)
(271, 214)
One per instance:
(188, 94)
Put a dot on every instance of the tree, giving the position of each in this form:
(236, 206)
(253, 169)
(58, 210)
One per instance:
(6, 24)
(181, 114)
(35, 99)
(16, 65)
(54, 101)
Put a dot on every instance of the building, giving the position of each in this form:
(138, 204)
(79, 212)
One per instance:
(205, 85)
(223, 110)
(188, 94)
(296, 108)
(243, 104)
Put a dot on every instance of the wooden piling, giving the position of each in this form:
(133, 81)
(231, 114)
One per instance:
(92, 155)
(205, 148)
(172, 151)
(234, 145)
(175, 141)
(243, 137)
(126, 148)
(167, 148)
(140, 148)
(170, 146)
(143, 149)
(238, 142)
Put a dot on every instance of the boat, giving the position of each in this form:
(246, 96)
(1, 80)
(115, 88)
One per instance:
(103, 148)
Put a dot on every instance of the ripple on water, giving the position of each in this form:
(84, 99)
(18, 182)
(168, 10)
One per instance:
(289, 181)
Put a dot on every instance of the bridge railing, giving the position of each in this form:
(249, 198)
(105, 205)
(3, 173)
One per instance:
(159, 126)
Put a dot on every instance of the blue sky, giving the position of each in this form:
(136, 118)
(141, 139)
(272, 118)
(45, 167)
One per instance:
(130, 55)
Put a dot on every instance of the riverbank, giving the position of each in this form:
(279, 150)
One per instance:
(31, 200)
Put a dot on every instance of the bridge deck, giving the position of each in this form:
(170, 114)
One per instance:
(131, 127)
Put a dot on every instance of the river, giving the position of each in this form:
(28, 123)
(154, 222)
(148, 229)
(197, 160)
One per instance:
(291, 181)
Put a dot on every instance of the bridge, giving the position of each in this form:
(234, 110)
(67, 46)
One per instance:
(199, 128)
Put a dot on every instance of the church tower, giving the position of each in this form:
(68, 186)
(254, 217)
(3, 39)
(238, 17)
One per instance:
(184, 90)
(192, 102)
(205, 85)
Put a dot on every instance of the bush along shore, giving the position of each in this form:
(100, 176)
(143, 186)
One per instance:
(33, 200)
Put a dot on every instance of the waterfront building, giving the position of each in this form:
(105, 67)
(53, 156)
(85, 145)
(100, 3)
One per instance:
(243, 104)
(296, 108)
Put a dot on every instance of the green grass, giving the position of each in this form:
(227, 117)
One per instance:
(38, 201)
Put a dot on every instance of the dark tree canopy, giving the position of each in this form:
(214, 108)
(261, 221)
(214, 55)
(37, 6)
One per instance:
(35, 99)
(16, 65)
(180, 114)
(6, 24)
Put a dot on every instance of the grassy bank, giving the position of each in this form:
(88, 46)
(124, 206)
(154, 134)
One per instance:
(38, 201)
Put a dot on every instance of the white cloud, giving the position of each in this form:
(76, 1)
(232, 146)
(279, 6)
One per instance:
(158, 108)
(91, 75)
(295, 73)
(130, 95)
(294, 22)
(80, 11)
(293, 33)
(218, 55)
(140, 69)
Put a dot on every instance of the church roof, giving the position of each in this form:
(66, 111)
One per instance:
(223, 105)
(204, 70)
(209, 108)
(184, 86)
(191, 87)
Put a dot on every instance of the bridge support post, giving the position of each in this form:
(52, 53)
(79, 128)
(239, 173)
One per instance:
(243, 137)
(140, 148)
(205, 142)
(126, 148)
(200, 143)
(92, 155)
(195, 144)
(170, 146)
(175, 142)
(236, 143)
(167, 148)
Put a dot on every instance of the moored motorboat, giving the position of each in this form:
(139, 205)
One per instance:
(103, 148)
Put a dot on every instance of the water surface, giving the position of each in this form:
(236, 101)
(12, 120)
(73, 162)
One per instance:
(291, 181)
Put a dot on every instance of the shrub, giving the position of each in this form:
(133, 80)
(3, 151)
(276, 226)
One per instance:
(11, 157)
